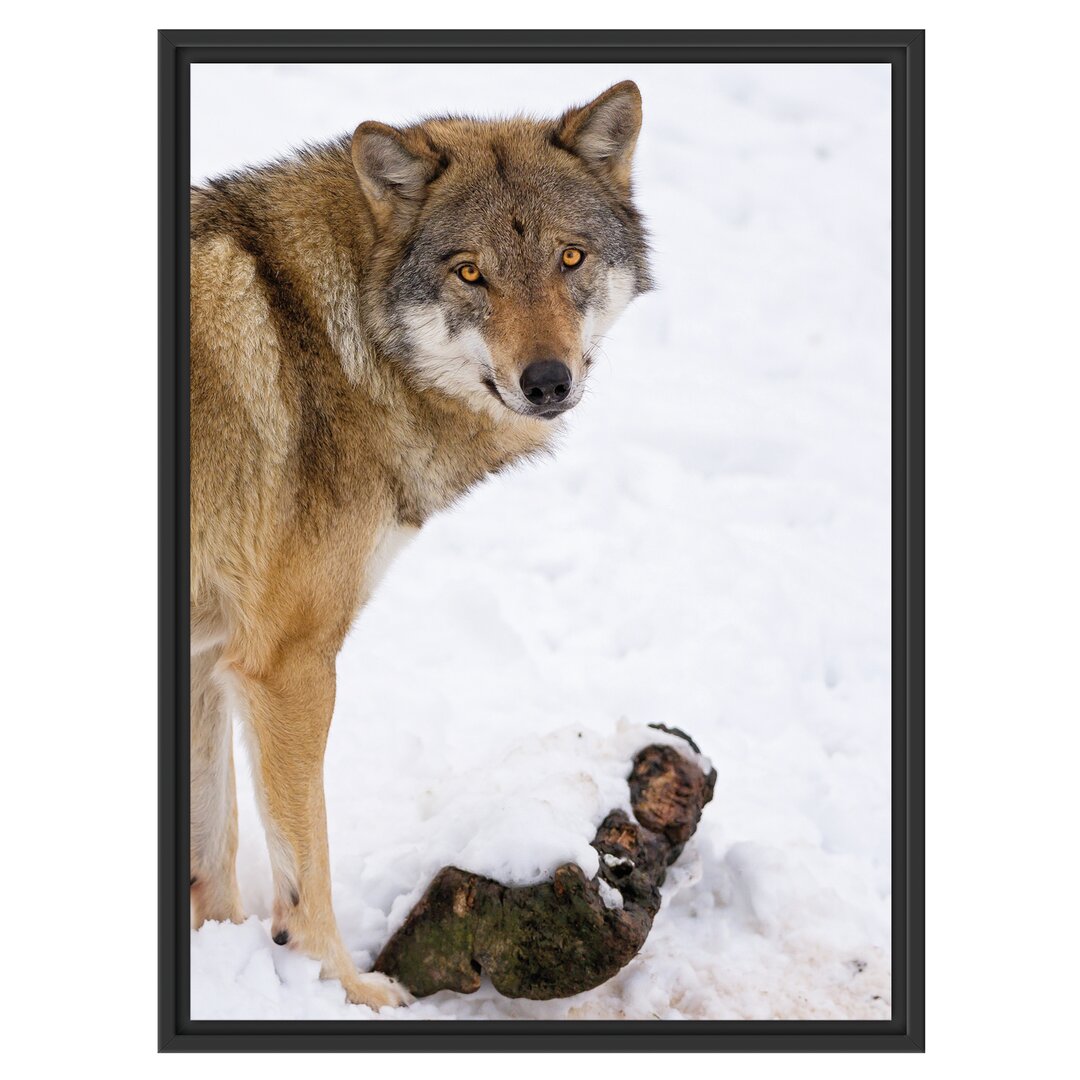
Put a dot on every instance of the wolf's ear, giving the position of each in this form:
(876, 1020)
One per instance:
(604, 132)
(390, 165)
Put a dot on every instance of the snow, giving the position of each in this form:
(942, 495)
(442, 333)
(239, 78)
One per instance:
(710, 549)
(611, 896)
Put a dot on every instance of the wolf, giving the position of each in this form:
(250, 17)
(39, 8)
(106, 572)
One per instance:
(377, 324)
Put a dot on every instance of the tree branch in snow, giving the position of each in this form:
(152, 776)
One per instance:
(566, 935)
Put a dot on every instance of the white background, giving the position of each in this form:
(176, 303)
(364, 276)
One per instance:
(78, 447)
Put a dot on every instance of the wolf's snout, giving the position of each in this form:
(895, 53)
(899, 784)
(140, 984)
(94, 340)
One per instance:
(546, 382)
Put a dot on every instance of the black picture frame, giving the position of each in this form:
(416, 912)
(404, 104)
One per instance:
(904, 51)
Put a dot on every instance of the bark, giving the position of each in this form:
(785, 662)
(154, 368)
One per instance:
(557, 938)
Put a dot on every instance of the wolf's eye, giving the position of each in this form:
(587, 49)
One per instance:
(572, 257)
(469, 273)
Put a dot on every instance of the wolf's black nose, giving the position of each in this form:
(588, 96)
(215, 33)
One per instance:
(546, 382)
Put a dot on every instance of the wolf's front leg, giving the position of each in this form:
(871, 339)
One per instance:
(289, 706)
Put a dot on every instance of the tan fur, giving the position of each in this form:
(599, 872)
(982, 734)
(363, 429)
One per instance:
(314, 454)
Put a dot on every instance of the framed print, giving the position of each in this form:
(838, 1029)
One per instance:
(541, 540)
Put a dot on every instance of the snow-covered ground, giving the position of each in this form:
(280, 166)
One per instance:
(709, 549)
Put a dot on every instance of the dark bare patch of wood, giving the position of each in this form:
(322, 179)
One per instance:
(557, 938)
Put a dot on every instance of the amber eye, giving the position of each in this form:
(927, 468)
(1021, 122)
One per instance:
(572, 257)
(469, 273)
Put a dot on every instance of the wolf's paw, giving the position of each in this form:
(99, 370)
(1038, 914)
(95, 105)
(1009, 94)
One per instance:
(375, 990)
(214, 900)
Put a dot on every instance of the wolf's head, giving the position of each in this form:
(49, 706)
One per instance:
(505, 249)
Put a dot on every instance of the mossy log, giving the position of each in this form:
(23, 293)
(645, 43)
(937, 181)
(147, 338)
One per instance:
(572, 933)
